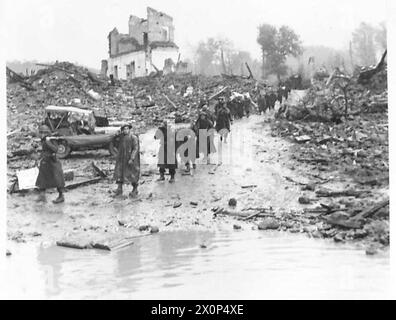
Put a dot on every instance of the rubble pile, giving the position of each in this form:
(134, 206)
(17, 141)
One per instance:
(144, 101)
(345, 219)
(349, 164)
(342, 122)
(359, 145)
(337, 97)
(150, 99)
(348, 143)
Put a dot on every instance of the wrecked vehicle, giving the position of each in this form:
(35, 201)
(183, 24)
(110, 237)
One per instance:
(80, 129)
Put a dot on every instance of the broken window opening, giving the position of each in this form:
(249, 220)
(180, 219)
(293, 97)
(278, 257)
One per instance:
(145, 39)
(131, 70)
(165, 32)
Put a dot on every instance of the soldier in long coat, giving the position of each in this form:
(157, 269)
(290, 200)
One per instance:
(203, 123)
(167, 153)
(246, 104)
(127, 166)
(50, 170)
(188, 156)
(280, 94)
(240, 107)
(223, 122)
(273, 99)
(262, 103)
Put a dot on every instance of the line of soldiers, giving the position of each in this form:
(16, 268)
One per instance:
(239, 105)
(206, 124)
(127, 167)
(267, 97)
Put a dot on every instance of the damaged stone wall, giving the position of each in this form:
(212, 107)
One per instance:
(122, 62)
(160, 55)
(104, 67)
(113, 42)
(149, 43)
(122, 43)
(160, 26)
(137, 28)
(126, 45)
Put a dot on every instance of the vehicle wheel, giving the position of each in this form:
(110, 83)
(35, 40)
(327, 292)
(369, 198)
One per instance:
(63, 149)
(113, 147)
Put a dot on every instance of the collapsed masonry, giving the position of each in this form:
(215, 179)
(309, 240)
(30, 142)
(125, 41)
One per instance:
(148, 47)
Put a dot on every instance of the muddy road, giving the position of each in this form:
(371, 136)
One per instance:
(250, 168)
(253, 167)
(194, 253)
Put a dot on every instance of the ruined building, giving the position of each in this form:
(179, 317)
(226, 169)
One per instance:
(149, 46)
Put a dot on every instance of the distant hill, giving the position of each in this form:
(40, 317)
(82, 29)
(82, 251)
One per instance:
(25, 67)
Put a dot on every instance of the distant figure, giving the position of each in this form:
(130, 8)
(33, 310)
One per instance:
(286, 91)
(219, 104)
(262, 103)
(204, 123)
(223, 122)
(127, 166)
(232, 106)
(50, 170)
(204, 101)
(246, 104)
(271, 99)
(189, 157)
(240, 107)
(167, 152)
(112, 80)
(209, 114)
(280, 94)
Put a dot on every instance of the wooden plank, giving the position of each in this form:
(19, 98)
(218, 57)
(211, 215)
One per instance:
(250, 71)
(216, 94)
(82, 183)
(251, 216)
(294, 181)
(71, 244)
(98, 170)
(249, 186)
(343, 223)
(370, 211)
(13, 132)
(343, 193)
(122, 244)
(319, 160)
(169, 100)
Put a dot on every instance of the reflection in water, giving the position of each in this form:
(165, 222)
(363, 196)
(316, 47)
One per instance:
(128, 259)
(173, 265)
(156, 257)
(51, 260)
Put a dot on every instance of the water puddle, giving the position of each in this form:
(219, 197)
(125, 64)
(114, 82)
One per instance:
(205, 265)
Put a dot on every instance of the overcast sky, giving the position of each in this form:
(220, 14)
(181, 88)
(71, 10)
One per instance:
(76, 30)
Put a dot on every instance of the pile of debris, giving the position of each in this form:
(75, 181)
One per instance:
(335, 102)
(358, 146)
(342, 122)
(338, 96)
(340, 129)
(350, 215)
(152, 98)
